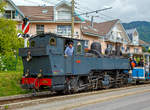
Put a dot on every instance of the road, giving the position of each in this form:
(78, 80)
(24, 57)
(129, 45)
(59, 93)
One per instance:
(125, 99)
(134, 102)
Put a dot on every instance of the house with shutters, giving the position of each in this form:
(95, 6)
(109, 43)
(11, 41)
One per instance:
(111, 34)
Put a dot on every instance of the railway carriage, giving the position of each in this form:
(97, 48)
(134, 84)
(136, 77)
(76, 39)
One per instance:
(46, 66)
(142, 73)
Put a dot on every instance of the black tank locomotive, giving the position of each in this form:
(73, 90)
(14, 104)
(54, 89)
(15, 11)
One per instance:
(46, 66)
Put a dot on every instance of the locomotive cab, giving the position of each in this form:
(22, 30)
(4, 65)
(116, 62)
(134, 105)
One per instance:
(45, 57)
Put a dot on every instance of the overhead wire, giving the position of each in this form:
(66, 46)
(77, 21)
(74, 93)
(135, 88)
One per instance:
(87, 9)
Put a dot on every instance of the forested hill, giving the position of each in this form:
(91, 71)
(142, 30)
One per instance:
(143, 28)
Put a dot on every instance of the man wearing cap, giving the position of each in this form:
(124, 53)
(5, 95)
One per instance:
(69, 50)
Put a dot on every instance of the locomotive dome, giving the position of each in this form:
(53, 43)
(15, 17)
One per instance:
(96, 46)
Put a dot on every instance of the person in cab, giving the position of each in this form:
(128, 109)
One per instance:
(69, 49)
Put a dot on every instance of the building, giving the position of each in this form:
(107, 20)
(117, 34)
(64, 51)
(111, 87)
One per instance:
(57, 19)
(12, 12)
(134, 46)
(43, 19)
(145, 45)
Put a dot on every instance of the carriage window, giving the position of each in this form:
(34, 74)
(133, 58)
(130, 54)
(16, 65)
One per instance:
(79, 48)
(32, 44)
(53, 41)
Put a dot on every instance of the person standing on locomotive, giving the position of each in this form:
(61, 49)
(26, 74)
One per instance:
(69, 50)
(132, 63)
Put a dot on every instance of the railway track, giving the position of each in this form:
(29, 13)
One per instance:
(20, 101)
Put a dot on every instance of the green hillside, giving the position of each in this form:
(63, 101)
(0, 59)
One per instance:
(143, 28)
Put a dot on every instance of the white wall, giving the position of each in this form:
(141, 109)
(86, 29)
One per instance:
(63, 13)
(135, 38)
(118, 34)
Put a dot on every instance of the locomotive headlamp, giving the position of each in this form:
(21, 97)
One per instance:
(29, 57)
(39, 75)
(26, 75)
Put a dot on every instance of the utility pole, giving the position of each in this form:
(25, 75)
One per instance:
(72, 26)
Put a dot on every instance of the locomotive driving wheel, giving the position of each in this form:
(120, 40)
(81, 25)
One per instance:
(72, 85)
(107, 81)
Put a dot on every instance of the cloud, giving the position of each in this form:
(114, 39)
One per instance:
(126, 10)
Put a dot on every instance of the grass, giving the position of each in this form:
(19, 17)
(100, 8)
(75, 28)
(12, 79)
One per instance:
(10, 84)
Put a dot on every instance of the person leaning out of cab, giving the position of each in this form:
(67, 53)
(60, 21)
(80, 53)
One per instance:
(69, 49)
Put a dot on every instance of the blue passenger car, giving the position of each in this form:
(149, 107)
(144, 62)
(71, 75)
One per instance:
(139, 73)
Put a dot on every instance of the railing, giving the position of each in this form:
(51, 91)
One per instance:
(68, 35)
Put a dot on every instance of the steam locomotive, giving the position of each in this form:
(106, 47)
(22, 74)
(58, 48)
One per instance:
(46, 66)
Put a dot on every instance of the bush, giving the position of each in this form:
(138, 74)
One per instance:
(10, 63)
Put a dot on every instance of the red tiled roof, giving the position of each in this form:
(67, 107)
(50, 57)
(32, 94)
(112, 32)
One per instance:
(36, 12)
(100, 29)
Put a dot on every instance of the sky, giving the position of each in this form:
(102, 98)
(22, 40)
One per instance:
(125, 10)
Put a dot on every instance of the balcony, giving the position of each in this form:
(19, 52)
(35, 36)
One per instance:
(76, 36)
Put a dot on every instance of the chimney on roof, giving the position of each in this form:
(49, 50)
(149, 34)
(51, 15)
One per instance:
(92, 18)
(44, 5)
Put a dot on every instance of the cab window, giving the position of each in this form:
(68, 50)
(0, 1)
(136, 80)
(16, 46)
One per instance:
(79, 48)
(32, 44)
(52, 41)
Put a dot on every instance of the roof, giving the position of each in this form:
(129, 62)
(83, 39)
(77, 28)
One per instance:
(100, 29)
(141, 42)
(13, 4)
(38, 12)
(54, 35)
(130, 33)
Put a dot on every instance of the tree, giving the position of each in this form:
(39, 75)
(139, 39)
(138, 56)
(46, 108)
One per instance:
(2, 4)
(9, 42)
(8, 34)
(144, 49)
